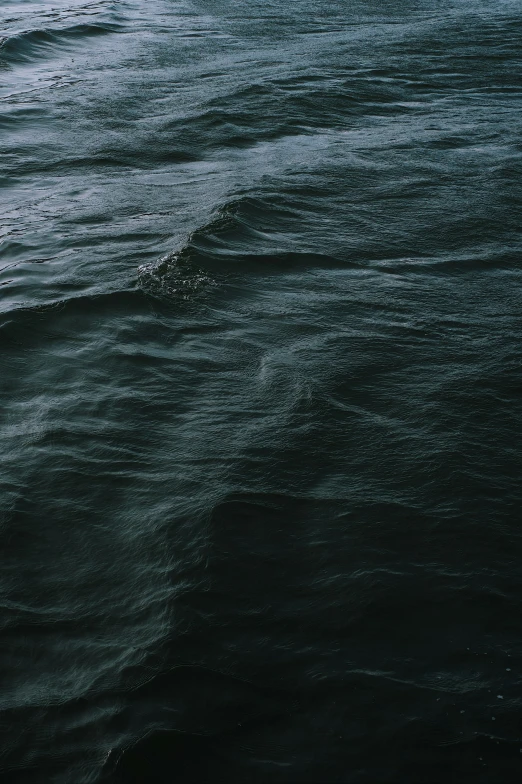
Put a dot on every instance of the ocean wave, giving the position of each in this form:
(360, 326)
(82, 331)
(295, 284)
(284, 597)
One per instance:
(241, 237)
(206, 710)
(29, 325)
(27, 45)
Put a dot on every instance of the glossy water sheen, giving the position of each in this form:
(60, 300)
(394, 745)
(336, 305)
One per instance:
(260, 391)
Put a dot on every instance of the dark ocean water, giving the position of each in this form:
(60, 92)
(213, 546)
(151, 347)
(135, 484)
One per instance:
(260, 391)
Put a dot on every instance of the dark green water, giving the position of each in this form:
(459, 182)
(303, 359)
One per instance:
(260, 392)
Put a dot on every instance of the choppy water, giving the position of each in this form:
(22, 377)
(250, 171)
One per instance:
(261, 391)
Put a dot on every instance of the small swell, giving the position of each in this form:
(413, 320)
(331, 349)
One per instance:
(208, 718)
(27, 45)
(28, 326)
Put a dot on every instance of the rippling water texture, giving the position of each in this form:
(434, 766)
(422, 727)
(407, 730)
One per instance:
(260, 391)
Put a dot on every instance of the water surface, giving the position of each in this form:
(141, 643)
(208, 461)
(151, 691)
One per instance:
(260, 391)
